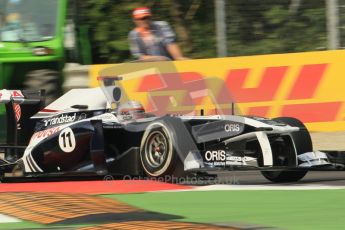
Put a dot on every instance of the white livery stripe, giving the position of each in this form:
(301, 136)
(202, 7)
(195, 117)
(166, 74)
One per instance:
(34, 165)
(263, 141)
(265, 147)
(28, 164)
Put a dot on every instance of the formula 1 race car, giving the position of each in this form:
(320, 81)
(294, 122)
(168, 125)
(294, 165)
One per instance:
(89, 132)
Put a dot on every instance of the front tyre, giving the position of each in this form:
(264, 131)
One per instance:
(303, 144)
(157, 154)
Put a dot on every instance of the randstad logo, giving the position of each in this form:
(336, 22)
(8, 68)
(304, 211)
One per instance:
(59, 120)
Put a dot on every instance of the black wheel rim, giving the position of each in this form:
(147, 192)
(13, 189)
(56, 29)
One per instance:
(156, 150)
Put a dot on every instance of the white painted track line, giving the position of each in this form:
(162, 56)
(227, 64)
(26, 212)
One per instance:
(8, 219)
(265, 187)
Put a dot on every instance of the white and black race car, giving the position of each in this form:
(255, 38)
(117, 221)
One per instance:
(89, 132)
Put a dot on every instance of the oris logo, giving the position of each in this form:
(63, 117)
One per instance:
(215, 155)
(232, 127)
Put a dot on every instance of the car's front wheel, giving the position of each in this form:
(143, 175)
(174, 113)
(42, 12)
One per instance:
(157, 154)
(302, 144)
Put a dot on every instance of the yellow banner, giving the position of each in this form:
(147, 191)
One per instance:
(309, 86)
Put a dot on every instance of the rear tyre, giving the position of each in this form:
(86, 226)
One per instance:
(303, 144)
(46, 79)
(157, 154)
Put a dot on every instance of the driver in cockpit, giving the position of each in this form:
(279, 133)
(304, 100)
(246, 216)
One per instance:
(131, 110)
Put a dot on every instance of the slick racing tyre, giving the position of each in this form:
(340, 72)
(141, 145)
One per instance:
(303, 144)
(44, 79)
(157, 154)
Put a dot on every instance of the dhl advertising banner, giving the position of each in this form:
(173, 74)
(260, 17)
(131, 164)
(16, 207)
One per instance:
(309, 86)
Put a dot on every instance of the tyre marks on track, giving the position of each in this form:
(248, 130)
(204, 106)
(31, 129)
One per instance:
(72, 208)
(47, 208)
(157, 225)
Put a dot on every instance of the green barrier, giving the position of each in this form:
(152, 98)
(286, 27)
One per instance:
(3, 131)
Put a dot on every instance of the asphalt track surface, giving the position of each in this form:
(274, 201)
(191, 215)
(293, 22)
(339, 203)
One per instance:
(328, 178)
(238, 178)
(335, 178)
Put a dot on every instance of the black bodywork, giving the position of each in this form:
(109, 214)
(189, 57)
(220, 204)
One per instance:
(94, 143)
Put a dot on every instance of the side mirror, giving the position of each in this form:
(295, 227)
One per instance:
(117, 93)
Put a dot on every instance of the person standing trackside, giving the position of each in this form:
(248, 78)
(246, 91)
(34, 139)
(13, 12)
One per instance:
(152, 40)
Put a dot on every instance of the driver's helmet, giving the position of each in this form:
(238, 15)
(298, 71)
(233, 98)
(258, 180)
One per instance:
(131, 110)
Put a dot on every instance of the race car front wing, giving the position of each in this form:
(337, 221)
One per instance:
(228, 160)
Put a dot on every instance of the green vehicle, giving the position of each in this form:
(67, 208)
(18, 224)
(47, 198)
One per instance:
(37, 38)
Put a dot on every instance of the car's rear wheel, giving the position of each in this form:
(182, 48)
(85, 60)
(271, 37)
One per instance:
(157, 154)
(302, 142)
(46, 79)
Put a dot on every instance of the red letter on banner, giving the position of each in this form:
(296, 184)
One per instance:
(271, 80)
(307, 81)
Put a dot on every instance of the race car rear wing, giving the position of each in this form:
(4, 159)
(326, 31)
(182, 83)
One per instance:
(20, 106)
